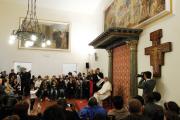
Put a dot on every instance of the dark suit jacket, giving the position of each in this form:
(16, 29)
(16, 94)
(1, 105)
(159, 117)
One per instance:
(151, 110)
(147, 86)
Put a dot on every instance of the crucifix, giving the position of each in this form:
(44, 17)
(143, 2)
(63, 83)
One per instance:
(156, 52)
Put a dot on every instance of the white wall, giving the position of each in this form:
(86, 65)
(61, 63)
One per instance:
(168, 84)
(84, 28)
(102, 55)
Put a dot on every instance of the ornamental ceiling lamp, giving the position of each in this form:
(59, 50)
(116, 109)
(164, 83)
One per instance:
(29, 29)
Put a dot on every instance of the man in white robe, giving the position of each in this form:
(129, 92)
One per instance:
(104, 92)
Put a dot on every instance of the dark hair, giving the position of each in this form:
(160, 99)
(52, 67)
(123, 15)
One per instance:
(92, 101)
(150, 98)
(134, 106)
(70, 73)
(62, 103)
(172, 106)
(140, 98)
(12, 117)
(118, 102)
(21, 109)
(54, 112)
(157, 96)
(148, 74)
(39, 77)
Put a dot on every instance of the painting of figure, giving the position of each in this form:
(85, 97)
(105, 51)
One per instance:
(132, 13)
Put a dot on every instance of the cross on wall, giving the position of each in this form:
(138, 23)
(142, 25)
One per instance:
(157, 51)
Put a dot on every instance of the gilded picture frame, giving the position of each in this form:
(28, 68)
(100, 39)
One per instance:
(135, 13)
(56, 32)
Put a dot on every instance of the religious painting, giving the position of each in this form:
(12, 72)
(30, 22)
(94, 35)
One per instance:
(55, 32)
(135, 13)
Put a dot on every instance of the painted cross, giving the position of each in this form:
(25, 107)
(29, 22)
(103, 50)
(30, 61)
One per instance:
(156, 52)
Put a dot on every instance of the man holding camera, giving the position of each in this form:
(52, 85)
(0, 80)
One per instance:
(146, 83)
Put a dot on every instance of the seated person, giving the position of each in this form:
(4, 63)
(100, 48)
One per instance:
(151, 109)
(54, 112)
(104, 92)
(21, 109)
(68, 109)
(172, 111)
(8, 89)
(135, 109)
(140, 98)
(12, 117)
(92, 110)
(119, 112)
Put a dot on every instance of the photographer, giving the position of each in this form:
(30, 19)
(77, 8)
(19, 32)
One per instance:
(146, 83)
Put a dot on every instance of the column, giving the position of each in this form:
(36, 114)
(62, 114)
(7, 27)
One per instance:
(133, 67)
(110, 65)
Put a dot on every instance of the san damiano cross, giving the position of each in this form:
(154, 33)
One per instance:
(156, 52)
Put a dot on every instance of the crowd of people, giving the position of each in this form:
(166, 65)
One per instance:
(15, 109)
(72, 85)
(13, 86)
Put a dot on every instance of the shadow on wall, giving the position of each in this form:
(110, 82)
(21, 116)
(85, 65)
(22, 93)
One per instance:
(161, 88)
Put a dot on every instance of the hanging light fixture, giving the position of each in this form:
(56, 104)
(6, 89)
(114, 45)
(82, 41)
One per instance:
(29, 29)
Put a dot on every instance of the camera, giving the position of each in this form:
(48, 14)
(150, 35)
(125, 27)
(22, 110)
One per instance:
(140, 75)
(69, 105)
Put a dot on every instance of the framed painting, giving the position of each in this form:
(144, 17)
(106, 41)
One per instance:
(56, 32)
(135, 13)
(21, 66)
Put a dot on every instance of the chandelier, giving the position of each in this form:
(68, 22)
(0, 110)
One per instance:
(29, 29)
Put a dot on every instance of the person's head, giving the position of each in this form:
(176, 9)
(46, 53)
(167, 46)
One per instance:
(70, 74)
(172, 106)
(21, 108)
(118, 102)
(135, 106)
(97, 70)
(150, 98)
(92, 102)
(12, 117)
(91, 72)
(62, 103)
(157, 96)
(147, 75)
(54, 112)
(39, 77)
(12, 70)
(33, 77)
(140, 98)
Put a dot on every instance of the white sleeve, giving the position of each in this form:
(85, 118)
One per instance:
(105, 88)
(33, 91)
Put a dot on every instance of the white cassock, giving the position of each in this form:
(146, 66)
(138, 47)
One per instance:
(104, 92)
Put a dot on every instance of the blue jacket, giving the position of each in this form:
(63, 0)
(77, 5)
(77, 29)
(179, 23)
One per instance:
(90, 112)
